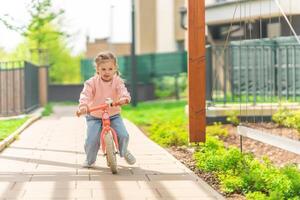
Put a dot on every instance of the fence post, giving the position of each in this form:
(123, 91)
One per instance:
(43, 86)
(208, 73)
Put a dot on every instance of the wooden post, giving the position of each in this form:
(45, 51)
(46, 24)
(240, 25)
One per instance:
(43, 85)
(196, 70)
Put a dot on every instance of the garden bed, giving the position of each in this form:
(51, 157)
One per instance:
(227, 170)
(185, 156)
(277, 156)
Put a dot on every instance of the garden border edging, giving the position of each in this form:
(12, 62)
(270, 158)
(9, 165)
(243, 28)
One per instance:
(12, 137)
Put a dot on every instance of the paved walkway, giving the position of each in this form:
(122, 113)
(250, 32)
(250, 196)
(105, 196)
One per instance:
(45, 163)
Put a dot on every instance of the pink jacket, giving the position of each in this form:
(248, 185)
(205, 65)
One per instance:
(95, 91)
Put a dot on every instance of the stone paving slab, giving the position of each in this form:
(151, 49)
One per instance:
(45, 163)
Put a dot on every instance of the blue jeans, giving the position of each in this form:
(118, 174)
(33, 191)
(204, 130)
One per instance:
(92, 141)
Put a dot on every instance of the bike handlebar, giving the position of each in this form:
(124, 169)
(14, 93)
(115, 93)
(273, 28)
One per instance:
(100, 107)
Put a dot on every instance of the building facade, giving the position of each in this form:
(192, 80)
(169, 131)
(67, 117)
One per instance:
(250, 19)
(157, 30)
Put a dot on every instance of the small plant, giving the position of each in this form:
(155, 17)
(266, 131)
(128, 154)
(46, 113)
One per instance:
(48, 110)
(256, 196)
(216, 130)
(281, 115)
(230, 183)
(232, 117)
(287, 118)
(242, 173)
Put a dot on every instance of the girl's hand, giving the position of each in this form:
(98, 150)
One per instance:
(120, 102)
(82, 110)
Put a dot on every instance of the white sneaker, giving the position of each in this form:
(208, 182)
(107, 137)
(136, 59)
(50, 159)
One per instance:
(85, 164)
(130, 159)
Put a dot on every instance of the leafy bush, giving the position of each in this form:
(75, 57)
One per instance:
(232, 117)
(173, 133)
(287, 118)
(238, 172)
(256, 196)
(165, 123)
(165, 86)
(230, 183)
(216, 130)
(281, 115)
(293, 174)
(48, 110)
(210, 156)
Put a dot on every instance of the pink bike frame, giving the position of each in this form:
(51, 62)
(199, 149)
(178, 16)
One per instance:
(105, 124)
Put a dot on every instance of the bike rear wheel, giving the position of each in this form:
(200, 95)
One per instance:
(110, 152)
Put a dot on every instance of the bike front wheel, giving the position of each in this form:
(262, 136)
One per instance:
(110, 152)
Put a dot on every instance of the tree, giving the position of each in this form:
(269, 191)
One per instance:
(38, 31)
(43, 34)
(8, 21)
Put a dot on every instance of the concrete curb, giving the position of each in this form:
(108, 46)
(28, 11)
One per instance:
(12, 137)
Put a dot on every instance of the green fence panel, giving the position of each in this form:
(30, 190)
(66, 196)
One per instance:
(265, 68)
(123, 63)
(168, 63)
(148, 66)
(87, 69)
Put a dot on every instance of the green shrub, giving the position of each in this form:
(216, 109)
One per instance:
(230, 183)
(281, 115)
(172, 133)
(165, 86)
(287, 118)
(278, 184)
(48, 110)
(164, 122)
(293, 174)
(233, 160)
(232, 117)
(216, 130)
(256, 196)
(253, 174)
(239, 172)
(210, 156)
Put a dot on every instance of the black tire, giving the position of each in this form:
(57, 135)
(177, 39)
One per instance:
(110, 153)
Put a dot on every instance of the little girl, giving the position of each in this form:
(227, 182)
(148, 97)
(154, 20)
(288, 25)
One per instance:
(105, 84)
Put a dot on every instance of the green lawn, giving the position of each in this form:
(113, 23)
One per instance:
(7, 127)
(164, 121)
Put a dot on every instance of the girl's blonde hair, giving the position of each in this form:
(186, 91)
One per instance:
(107, 56)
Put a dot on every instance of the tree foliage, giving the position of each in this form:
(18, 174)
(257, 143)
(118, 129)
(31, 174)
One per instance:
(38, 31)
(44, 36)
(46, 44)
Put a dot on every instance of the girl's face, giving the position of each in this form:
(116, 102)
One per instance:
(106, 70)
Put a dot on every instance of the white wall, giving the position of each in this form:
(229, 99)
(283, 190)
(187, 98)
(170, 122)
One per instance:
(209, 2)
(249, 9)
(165, 35)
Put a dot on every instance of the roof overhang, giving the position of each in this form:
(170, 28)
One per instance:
(223, 13)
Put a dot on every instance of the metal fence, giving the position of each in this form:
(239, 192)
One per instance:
(256, 71)
(19, 92)
(250, 71)
(148, 66)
